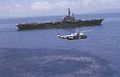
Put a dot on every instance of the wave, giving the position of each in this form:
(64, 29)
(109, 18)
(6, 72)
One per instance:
(17, 62)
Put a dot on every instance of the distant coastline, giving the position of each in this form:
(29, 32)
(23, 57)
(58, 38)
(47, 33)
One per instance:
(101, 14)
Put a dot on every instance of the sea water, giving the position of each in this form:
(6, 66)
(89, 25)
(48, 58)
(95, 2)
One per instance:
(39, 53)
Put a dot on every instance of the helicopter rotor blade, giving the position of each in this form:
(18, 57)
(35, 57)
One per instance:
(85, 31)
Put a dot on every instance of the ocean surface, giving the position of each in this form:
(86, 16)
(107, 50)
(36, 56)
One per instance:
(39, 53)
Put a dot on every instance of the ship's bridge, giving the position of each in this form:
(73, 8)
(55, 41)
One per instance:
(69, 18)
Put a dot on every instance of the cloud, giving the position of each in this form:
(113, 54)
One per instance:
(57, 7)
(46, 5)
(100, 4)
(81, 5)
(43, 5)
(18, 5)
(15, 10)
(12, 8)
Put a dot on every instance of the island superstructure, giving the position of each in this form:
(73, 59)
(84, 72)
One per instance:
(68, 21)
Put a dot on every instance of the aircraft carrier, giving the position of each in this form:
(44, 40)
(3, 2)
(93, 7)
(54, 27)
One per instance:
(68, 21)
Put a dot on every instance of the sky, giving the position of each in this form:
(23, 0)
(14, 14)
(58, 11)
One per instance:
(24, 8)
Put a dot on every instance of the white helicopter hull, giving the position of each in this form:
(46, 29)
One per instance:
(72, 37)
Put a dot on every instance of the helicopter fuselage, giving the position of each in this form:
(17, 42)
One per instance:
(74, 36)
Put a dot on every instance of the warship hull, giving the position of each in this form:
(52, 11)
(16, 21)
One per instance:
(49, 25)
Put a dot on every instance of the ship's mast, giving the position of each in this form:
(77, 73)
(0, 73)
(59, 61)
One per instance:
(73, 16)
(69, 12)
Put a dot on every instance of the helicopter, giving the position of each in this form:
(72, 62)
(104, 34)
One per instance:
(74, 36)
